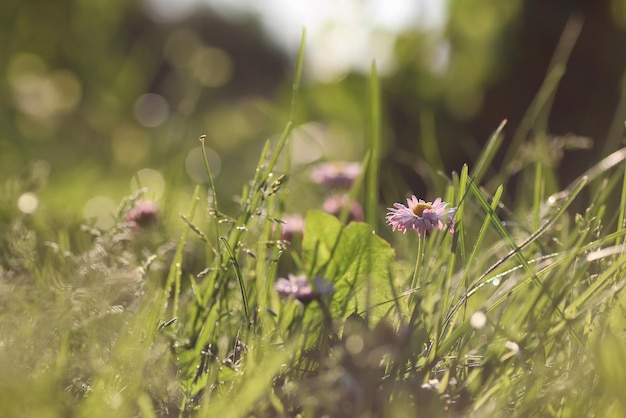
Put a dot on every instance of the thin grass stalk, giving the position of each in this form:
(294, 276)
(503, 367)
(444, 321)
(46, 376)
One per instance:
(354, 189)
(568, 199)
(488, 154)
(616, 128)
(537, 194)
(542, 101)
(262, 175)
(212, 196)
(460, 212)
(371, 195)
(418, 267)
(490, 209)
(178, 256)
(621, 225)
(430, 147)
(242, 288)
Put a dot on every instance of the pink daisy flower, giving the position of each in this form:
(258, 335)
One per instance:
(421, 216)
(334, 204)
(339, 174)
(292, 225)
(300, 288)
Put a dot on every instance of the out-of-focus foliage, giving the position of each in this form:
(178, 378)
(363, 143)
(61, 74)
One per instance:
(453, 87)
(94, 94)
(506, 315)
(452, 69)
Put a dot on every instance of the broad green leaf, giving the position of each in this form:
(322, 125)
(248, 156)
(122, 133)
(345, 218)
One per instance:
(354, 258)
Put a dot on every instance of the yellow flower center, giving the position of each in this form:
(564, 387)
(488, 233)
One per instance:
(419, 209)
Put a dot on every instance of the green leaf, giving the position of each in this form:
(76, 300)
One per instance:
(355, 259)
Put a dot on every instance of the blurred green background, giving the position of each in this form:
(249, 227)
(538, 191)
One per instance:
(99, 97)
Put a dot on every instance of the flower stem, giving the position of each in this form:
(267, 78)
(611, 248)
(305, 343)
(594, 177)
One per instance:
(418, 265)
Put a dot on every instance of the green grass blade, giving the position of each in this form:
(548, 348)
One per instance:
(607, 277)
(214, 207)
(621, 224)
(175, 269)
(262, 175)
(354, 189)
(488, 154)
(430, 147)
(537, 194)
(535, 117)
(371, 194)
(460, 213)
(242, 287)
(495, 201)
(568, 199)
(255, 381)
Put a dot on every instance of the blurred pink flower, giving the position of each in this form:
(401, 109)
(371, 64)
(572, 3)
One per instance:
(337, 174)
(143, 214)
(421, 216)
(300, 288)
(334, 204)
(291, 225)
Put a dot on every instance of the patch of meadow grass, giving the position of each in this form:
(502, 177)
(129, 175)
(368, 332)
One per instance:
(519, 312)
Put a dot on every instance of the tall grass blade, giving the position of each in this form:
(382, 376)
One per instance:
(175, 268)
(535, 117)
(371, 194)
(488, 154)
(240, 280)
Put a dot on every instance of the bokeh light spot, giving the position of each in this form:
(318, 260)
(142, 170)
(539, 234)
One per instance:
(307, 140)
(355, 344)
(235, 123)
(41, 94)
(194, 164)
(151, 179)
(25, 63)
(100, 209)
(69, 88)
(130, 145)
(211, 66)
(151, 110)
(34, 95)
(478, 320)
(27, 203)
